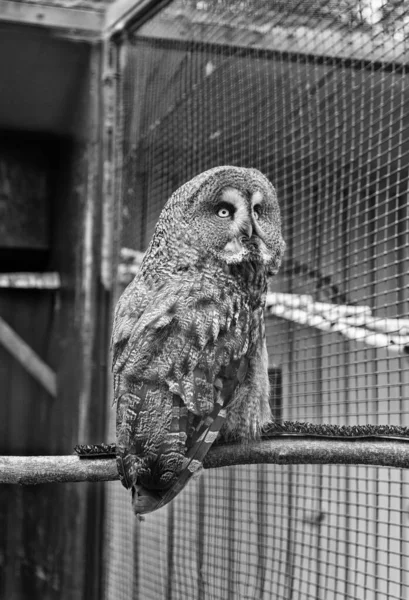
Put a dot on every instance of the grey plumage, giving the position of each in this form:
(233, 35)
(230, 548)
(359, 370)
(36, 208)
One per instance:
(189, 349)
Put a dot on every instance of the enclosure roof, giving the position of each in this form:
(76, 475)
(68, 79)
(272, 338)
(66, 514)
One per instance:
(373, 30)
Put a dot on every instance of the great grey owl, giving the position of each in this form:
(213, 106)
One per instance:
(189, 346)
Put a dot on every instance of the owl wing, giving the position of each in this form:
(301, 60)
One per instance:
(178, 358)
(184, 334)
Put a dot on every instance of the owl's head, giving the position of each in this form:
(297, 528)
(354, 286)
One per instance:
(228, 213)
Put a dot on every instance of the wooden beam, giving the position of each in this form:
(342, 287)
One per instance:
(37, 281)
(51, 16)
(90, 219)
(28, 358)
(122, 13)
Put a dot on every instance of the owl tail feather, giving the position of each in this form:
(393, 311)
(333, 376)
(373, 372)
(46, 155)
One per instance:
(206, 432)
(145, 501)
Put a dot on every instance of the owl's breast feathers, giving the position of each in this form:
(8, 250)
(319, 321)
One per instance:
(180, 351)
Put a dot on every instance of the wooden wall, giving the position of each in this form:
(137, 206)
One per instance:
(49, 544)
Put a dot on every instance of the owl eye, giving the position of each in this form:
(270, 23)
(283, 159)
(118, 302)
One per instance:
(257, 211)
(224, 211)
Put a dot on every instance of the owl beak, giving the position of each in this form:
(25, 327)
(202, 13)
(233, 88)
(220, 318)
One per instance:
(250, 230)
(258, 232)
(247, 229)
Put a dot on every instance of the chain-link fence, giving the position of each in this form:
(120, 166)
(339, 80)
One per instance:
(315, 95)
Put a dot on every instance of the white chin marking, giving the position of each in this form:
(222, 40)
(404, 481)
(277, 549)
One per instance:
(234, 251)
(264, 253)
(234, 247)
(266, 258)
(235, 258)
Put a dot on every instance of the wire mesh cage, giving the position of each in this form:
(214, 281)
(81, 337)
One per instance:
(315, 95)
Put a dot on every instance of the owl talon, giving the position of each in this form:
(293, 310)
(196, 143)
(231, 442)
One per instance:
(95, 450)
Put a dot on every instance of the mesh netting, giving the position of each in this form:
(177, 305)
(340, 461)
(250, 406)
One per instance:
(313, 94)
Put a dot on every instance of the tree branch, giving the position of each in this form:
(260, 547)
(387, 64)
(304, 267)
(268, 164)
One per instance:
(29, 470)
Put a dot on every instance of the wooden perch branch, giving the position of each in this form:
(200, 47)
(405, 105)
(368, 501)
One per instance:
(296, 451)
(29, 470)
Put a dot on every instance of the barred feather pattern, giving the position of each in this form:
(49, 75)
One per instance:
(189, 351)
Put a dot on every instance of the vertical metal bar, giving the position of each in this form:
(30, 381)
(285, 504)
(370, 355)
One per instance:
(372, 238)
(402, 258)
(262, 502)
(289, 549)
(170, 533)
(345, 223)
(318, 373)
(200, 539)
(230, 534)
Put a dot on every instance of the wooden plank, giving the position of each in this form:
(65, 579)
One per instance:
(122, 12)
(28, 358)
(38, 281)
(59, 537)
(119, 12)
(51, 16)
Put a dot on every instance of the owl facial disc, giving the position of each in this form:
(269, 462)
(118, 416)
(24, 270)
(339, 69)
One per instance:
(247, 236)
